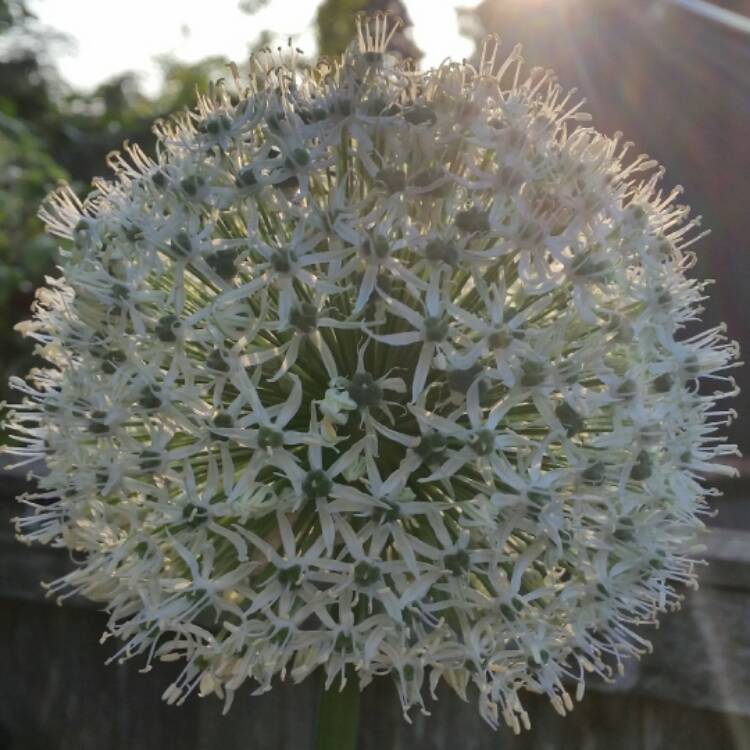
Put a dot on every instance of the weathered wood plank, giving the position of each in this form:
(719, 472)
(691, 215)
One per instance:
(702, 654)
(728, 557)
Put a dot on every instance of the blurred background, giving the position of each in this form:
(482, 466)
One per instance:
(77, 78)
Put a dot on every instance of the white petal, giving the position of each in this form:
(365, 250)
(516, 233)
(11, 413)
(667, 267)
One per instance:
(327, 528)
(291, 405)
(408, 441)
(347, 459)
(422, 370)
(366, 288)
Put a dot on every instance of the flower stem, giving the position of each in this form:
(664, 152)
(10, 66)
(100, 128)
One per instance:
(338, 716)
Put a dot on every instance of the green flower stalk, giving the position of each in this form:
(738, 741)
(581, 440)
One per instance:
(376, 372)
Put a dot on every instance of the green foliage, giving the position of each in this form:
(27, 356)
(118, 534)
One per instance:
(6, 18)
(10, 13)
(252, 6)
(87, 127)
(49, 133)
(27, 173)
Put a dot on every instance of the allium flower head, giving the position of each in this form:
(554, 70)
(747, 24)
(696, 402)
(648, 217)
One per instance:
(381, 371)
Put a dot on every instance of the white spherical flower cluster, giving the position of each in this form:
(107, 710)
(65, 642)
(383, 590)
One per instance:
(378, 371)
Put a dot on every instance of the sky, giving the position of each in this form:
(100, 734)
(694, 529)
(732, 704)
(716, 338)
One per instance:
(110, 36)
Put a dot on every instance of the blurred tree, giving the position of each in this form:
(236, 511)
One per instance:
(48, 133)
(335, 25)
(89, 126)
(27, 173)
